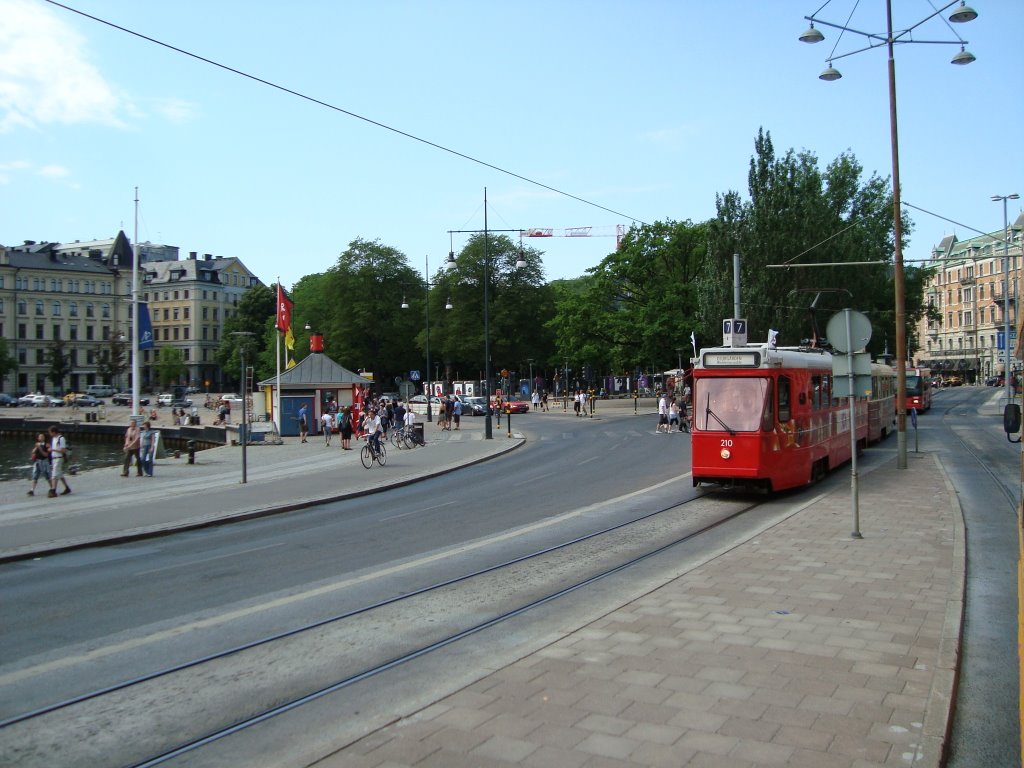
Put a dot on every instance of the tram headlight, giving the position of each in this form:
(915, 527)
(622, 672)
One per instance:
(725, 453)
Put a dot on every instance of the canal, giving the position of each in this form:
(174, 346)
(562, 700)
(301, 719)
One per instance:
(15, 463)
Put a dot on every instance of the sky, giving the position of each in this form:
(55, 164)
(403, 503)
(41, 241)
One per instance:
(570, 114)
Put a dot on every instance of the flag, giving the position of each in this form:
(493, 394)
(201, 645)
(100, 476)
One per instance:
(693, 341)
(145, 327)
(772, 338)
(284, 317)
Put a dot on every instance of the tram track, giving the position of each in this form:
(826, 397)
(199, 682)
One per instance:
(188, 706)
(998, 479)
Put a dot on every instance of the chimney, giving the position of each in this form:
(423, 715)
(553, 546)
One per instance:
(207, 256)
(192, 255)
(316, 342)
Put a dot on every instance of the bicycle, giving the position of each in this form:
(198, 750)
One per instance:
(402, 438)
(369, 454)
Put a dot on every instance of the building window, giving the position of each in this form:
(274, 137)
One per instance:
(105, 311)
(175, 314)
(22, 307)
(23, 356)
(56, 331)
(185, 354)
(73, 333)
(56, 309)
(175, 333)
(72, 309)
(40, 357)
(167, 314)
(39, 308)
(187, 312)
(90, 311)
(184, 332)
(22, 331)
(89, 335)
(39, 332)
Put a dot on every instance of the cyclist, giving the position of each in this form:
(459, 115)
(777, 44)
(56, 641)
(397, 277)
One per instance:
(373, 430)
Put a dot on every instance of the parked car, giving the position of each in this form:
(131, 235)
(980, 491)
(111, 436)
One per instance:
(6, 401)
(83, 401)
(422, 400)
(37, 400)
(515, 406)
(125, 398)
(164, 399)
(473, 406)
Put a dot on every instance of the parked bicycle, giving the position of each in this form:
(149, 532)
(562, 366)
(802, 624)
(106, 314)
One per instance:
(369, 454)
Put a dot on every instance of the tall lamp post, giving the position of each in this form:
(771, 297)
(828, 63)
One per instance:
(243, 428)
(426, 309)
(1008, 384)
(450, 264)
(962, 14)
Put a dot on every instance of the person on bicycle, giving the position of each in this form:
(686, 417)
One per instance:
(373, 429)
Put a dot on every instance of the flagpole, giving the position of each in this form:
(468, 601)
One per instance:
(277, 362)
(135, 311)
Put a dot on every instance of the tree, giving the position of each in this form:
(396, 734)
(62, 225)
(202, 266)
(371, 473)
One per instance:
(58, 362)
(111, 358)
(797, 213)
(170, 365)
(254, 314)
(8, 363)
(639, 305)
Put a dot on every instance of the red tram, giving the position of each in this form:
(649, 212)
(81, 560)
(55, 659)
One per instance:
(766, 417)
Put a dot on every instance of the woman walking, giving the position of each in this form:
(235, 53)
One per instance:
(147, 448)
(40, 462)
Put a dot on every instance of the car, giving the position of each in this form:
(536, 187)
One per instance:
(389, 396)
(422, 400)
(125, 398)
(515, 406)
(6, 401)
(473, 406)
(164, 399)
(83, 401)
(37, 400)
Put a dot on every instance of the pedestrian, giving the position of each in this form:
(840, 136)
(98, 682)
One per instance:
(544, 401)
(662, 414)
(576, 401)
(673, 414)
(58, 453)
(328, 424)
(132, 437)
(147, 448)
(303, 422)
(535, 400)
(40, 458)
(345, 427)
(410, 419)
(457, 412)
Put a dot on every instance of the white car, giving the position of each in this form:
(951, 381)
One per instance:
(39, 401)
(164, 399)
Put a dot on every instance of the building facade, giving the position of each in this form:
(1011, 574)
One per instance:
(968, 302)
(74, 300)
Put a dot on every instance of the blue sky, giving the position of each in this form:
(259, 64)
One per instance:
(645, 110)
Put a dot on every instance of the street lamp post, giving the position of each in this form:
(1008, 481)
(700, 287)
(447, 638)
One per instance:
(812, 35)
(1007, 383)
(488, 429)
(243, 428)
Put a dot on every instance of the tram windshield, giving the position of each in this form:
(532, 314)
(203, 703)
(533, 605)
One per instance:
(730, 405)
(913, 384)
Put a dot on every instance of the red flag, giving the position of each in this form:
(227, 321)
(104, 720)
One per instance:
(284, 310)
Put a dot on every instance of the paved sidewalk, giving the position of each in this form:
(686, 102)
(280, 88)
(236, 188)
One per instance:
(800, 647)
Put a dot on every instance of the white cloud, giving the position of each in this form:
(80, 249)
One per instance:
(54, 172)
(44, 74)
(177, 110)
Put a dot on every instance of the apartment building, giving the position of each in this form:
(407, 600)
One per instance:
(76, 298)
(970, 303)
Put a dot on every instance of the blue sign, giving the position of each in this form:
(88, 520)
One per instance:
(1000, 340)
(414, 375)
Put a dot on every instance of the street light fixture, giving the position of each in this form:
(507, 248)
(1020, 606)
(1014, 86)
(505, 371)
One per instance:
(520, 264)
(875, 40)
(1006, 295)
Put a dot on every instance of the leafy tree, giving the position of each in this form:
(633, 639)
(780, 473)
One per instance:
(8, 363)
(254, 314)
(111, 358)
(798, 213)
(58, 362)
(638, 307)
(170, 365)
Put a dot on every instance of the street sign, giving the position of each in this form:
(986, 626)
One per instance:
(734, 332)
(414, 375)
(859, 331)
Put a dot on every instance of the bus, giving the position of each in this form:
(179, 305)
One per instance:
(919, 389)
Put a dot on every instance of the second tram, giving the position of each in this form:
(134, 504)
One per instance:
(766, 418)
(919, 389)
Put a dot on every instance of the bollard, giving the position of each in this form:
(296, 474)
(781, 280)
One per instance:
(191, 445)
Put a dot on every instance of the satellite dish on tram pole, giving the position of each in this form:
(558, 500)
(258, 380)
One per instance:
(847, 331)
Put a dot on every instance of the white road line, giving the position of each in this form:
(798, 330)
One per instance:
(418, 511)
(208, 559)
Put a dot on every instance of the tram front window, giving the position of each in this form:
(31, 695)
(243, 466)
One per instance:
(913, 385)
(730, 405)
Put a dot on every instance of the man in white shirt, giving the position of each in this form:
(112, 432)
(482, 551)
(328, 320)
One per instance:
(58, 452)
(663, 414)
(373, 429)
(328, 423)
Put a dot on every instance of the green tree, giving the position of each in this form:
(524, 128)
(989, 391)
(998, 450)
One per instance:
(8, 363)
(638, 306)
(798, 213)
(254, 314)
(169, 365)
(111, 358)
(58, 363)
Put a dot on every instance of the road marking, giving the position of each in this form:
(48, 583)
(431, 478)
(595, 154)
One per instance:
(208, 559)
(326, 589)
(417, 511)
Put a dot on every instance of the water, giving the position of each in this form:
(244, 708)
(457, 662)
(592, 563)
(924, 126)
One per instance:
(15, 464)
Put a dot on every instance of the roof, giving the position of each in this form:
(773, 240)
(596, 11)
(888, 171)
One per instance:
(315, 369)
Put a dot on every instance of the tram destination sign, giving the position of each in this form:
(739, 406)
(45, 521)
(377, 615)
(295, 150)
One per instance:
(739, 359)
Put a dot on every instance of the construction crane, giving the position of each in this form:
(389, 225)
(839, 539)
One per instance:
(618, 232)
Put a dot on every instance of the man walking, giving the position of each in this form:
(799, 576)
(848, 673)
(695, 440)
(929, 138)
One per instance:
(58, 452)
(132, 436)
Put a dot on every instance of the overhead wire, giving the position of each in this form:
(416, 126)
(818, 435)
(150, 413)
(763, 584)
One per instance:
(334, 107)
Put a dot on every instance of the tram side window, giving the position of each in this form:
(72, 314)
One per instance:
(768, 419)
(816, 392)
(785, 411)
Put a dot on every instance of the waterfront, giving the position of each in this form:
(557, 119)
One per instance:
(15, 464)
